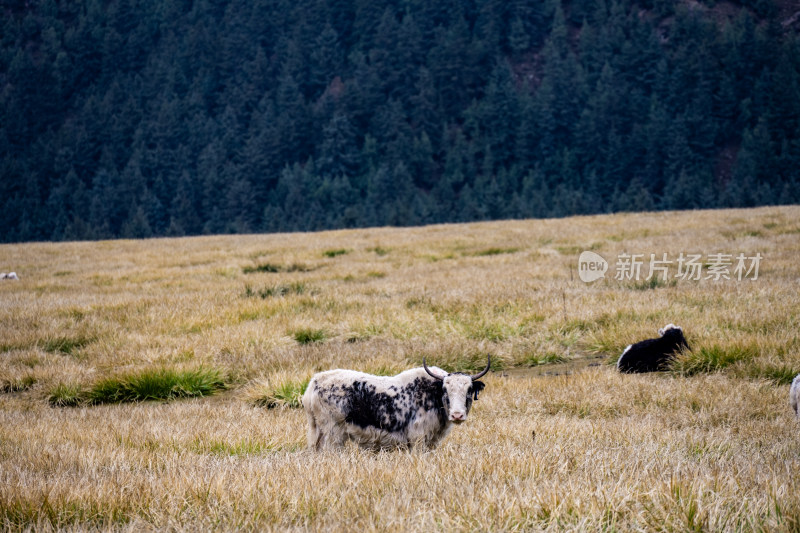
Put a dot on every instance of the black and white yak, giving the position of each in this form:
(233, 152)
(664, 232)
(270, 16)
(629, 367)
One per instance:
(413, 409)
(794, 395)
(652, 355)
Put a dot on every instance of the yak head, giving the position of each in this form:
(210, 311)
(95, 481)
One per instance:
(675, 335)
(458, 390)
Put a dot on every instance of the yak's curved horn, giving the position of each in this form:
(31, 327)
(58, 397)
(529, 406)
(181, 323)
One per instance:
(428, 370)
(485, 370)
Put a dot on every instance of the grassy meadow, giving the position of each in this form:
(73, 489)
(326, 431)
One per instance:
(155, 384)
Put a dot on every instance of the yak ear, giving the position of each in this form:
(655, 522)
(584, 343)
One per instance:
(477, 386)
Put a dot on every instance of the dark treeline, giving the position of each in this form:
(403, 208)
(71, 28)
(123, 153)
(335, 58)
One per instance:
(136, 118)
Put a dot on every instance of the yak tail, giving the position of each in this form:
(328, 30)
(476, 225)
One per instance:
(310, 405)
(313, 436)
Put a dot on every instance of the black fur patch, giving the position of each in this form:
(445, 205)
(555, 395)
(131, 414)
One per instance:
(477, 386)
(365, 407)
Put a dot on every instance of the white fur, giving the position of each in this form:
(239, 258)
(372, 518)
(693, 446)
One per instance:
(626, 350)
(794, 395)
(667, 328)
(456, 386)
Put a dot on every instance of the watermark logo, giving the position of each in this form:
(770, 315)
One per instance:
(591, 266)
(692, 267)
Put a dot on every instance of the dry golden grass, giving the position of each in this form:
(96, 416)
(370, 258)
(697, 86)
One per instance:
(559, 440)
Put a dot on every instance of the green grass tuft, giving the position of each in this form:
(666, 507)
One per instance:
(265, 267)
(299, 267)
(274, 269)
(309, 335)
(282, 289)
(779, 375)
(287, 393)
(711, 359)
(379, 250)
(364, 333)
(158, 384)
(494, 251)
(18, 384)
(66, 345)
(418, 301)
(66, 395)
(334, 253)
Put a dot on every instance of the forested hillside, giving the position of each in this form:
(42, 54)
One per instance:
(139, 118)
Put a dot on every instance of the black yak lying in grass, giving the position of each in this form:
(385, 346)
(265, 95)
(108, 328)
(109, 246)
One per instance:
(652, 355)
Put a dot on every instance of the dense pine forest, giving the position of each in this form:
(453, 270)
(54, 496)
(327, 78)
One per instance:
(138, 118)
